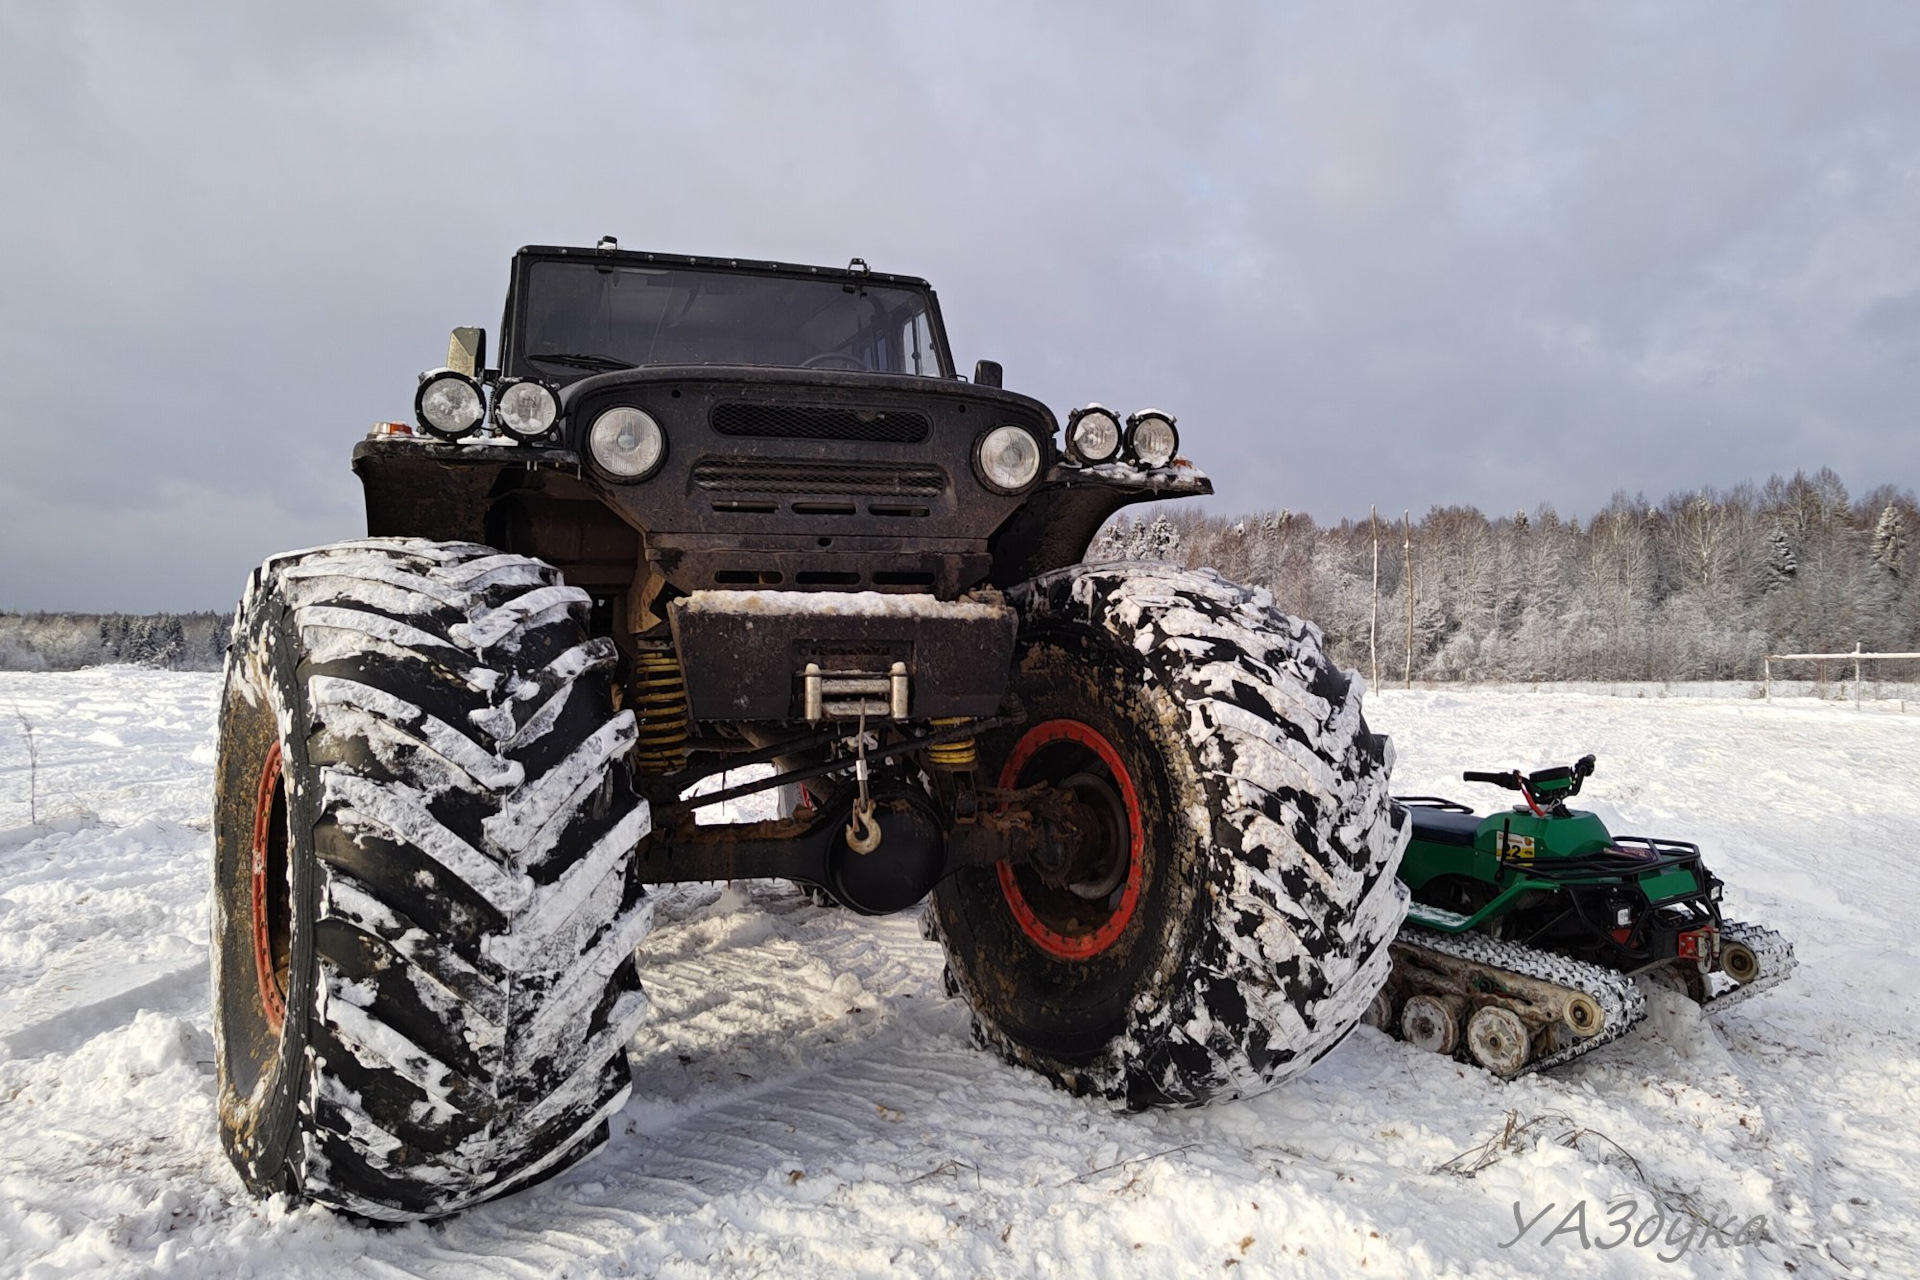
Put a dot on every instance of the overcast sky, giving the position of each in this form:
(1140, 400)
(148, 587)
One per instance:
(1498, 254)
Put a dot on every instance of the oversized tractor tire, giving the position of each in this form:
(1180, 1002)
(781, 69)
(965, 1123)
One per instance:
(424, 913)
(1232, 927)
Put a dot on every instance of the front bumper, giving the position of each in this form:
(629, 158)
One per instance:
(746, 654)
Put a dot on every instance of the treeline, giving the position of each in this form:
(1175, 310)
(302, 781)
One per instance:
(1701, 586)
(69, 641)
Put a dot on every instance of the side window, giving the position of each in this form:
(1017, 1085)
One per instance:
(917, 352)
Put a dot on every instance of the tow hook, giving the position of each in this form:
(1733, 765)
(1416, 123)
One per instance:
(863, 833)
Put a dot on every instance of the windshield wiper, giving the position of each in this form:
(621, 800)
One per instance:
(578, 360)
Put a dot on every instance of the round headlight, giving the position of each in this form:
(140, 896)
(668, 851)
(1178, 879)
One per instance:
(1093, 434)
(1008, 458)
(627, 443)
(1151, 438)
(448, 404)
(525, 409)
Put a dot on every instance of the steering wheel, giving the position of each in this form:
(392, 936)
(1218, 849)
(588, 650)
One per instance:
(836, 360)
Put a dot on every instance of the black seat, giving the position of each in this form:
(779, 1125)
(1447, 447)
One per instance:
(1443, 826)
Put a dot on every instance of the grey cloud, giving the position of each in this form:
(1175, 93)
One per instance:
(1893, 317)
(1497, 253)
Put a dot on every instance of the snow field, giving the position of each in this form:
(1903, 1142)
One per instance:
(806, 1102)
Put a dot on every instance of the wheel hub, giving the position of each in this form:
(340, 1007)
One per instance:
(1498, 1040)
(1080, 909)
(1104, 848)
(1584, 1014)
(1431, 1022)
(1738, 962)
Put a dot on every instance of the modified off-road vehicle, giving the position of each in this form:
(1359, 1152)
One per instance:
(711, 513)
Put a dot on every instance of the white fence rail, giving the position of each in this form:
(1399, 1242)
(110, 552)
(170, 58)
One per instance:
(1857, 656)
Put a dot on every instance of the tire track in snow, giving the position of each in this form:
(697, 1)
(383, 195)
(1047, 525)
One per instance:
(113, 1165)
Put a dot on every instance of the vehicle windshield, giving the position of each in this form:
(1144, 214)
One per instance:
(581, 318)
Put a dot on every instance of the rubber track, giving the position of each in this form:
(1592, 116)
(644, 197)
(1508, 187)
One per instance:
(1618, 997)
(1777, 963)
(476, 988)
(1301, 896)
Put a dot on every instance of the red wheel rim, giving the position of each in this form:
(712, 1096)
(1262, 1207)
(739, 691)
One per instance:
(1076, 946)
(271, 901)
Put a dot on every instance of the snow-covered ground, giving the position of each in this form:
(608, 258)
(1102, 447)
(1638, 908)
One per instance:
(806, 1102)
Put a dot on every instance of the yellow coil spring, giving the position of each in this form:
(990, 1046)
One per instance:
(658, 695)
(953, 756)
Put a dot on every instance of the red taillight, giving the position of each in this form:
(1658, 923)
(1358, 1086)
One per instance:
(1696, 944)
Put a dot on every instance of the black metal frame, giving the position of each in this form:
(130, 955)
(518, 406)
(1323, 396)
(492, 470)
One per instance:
(664, 792)
(814, 507)
(1432, 802)
(1614, 873)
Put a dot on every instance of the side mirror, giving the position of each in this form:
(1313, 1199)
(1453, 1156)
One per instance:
(986, 373)
(467, 351)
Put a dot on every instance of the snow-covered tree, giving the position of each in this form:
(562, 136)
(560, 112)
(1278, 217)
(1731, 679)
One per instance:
(1783, 561)
(1158, 540)
(1889, 541)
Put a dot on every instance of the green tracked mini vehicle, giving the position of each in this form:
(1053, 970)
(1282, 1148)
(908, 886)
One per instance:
(1529, 925)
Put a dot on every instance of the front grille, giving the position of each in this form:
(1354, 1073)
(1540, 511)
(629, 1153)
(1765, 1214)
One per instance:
(805, 422)
(778, 475)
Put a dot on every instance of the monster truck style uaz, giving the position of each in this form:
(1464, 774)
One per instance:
(704, 514)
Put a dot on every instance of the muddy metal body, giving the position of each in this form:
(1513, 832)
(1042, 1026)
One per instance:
(713, 530)
(817, 554)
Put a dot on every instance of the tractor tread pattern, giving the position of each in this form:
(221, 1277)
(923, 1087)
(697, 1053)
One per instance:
(1301, 897)
(474, 827)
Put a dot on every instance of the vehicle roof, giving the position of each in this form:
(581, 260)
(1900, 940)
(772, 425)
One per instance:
(639, 257)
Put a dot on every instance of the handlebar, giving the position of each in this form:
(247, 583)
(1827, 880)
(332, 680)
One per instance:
(1556, 783)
